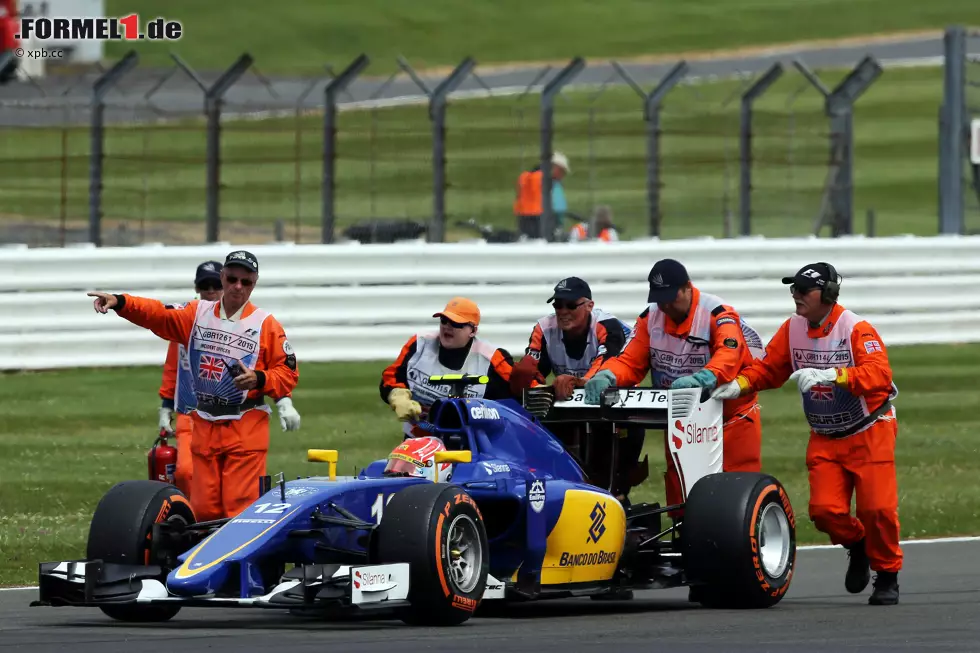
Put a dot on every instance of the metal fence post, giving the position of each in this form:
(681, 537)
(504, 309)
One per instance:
(437, 114)
(951, 124)
(652, 102)
(97, 132)
(551, 91)
(745, 143)
(839, 107)
(333, 88)
(212, 107)
(651, 113)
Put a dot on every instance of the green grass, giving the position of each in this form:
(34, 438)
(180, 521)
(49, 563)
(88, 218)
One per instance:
(67, 436)
(154, 175)
(301, 35)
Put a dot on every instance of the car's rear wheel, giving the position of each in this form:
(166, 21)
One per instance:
(739, 540)
(439, 531)
(121, 532)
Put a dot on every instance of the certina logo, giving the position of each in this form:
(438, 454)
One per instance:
(587, 559)
(484, 412)
(693, 434)
(101, 28)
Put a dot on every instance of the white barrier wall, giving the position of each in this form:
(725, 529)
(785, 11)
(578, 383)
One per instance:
(361, 302)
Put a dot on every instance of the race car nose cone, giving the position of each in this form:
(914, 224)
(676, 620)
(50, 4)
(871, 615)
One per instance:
(185, 581)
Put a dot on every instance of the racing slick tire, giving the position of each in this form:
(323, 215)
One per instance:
(121, 532)
(738, 540)
(439, 531)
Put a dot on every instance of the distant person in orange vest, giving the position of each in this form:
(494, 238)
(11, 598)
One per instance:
(528, 205)
(602, 226)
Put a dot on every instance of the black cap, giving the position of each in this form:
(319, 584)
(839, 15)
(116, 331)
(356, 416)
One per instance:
(206, 271)
(814, 275)
(666, 278)
(245, 259)
(571, 288)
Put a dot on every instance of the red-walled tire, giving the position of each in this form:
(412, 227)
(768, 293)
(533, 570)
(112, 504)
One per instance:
(439, 531)
(121, 530)
(739, 540)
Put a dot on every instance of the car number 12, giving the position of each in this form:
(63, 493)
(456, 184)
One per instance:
(271, 508)
(378, 507)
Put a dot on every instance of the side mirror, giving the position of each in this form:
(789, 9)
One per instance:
(454, 456)
(328, 456)
(451, 457)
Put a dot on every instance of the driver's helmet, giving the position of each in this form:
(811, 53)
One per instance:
(416, 457)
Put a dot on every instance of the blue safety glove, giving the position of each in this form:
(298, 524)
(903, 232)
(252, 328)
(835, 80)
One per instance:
(595, 386)
(700, 379)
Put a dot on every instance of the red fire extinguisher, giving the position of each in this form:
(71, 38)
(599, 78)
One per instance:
(162, 459)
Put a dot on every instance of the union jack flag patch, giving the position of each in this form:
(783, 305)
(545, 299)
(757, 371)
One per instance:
(822, 393)
(211, 368)
(871, 346)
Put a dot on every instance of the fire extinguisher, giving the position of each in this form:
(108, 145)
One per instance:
(162, 459)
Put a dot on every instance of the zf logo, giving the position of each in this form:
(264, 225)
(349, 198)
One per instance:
(598, 516)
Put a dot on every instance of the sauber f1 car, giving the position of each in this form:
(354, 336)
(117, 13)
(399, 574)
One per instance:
(512, 517)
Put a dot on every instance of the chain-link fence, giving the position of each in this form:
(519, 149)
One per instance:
(127, 155)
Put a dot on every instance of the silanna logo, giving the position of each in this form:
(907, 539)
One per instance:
(692, 434)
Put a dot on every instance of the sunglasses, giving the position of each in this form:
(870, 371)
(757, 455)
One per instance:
(571, 306)
(232, 280)
(209, 285)
(796, 290)
(456, 325)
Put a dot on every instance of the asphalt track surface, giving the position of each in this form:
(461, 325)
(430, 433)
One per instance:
(939, 611)
(179, 95)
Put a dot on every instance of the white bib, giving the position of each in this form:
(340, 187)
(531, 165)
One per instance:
(185, 400)
(672, 357)
(214, 347)
(829, 408)
(561, 362)
(425, 363)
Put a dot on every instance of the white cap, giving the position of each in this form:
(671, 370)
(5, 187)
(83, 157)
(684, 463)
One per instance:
(559, 159)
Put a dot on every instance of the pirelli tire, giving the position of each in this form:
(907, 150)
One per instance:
(438, 530)
(738, 540)
(121, 532)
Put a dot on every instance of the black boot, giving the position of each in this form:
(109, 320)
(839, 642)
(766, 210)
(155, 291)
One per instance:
(858, 568)
(886, 589)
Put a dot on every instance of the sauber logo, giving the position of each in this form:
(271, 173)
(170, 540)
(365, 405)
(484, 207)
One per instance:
(693, 434)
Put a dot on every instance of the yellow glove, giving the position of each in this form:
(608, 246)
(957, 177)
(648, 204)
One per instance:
(401, 402)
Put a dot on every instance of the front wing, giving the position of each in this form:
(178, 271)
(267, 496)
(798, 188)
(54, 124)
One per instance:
(94, 583)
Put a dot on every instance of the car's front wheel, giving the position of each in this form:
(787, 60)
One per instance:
(439, 531)
(121, 532)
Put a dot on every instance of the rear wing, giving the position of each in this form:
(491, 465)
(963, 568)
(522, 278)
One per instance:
(691, 418)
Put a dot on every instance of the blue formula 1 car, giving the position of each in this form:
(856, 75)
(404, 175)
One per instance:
(515, 518)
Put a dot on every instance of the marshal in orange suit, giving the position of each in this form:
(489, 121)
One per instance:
(841, 367)
(238, 354)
